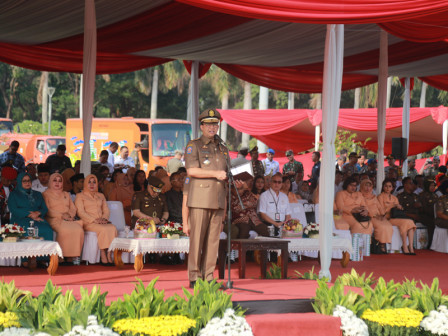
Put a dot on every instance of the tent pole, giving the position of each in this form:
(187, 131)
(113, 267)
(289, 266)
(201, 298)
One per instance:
(331, 98)
(193, 99)
(263, 104)
(88, 83)
(445, 135)
(316, 137)
(405, 120)
(382, 102)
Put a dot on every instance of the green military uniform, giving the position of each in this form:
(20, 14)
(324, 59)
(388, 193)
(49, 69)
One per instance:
(442, 206)
(294, 166)
(147, 204)
(257, 166)
(206, 200)
(428, 200)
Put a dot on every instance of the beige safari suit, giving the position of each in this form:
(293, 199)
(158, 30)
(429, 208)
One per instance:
(206, 203)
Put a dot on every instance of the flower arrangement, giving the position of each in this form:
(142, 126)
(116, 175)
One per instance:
(397, 321)
(351, 325)
(436, 323)
(292, 228)
(8, 319)
(92, 329)
(170, 228)
(145, 228)
(229, 324)
(311, 230)
(13, 331)
(174, 325)
(11, 230)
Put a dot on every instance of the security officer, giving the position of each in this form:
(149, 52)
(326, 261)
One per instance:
(257, 165)
(292, 167)
(150, 203)
(205, 161)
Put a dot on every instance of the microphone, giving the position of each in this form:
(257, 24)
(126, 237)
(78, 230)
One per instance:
(221, 141)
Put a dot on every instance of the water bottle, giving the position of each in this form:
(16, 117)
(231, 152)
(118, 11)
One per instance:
(30, 230)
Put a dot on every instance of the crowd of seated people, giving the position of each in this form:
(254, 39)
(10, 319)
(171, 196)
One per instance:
(66, 204)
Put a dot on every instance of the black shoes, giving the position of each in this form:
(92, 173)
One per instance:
(192, 283)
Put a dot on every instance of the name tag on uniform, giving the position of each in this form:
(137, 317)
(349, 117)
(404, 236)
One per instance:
(277, 217)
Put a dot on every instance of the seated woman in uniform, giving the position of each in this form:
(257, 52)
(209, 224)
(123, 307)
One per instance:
(405, 225)
(150, 203)
(123, 192)
(94, 213)
(349, 202)
(442, 207)
(61, 216)
(339, 221)
(245, 220)
(382, 227)
(28, 205)
(428, 198)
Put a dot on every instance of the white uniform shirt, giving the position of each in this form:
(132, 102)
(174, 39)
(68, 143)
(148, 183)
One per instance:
(270, 167)
(36, 185)
(270, 204)
(126, 162)
(111, 160)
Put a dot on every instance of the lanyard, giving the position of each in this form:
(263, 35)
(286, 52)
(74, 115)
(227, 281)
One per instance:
(275, 201)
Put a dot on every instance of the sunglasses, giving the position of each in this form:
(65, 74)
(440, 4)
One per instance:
(279, 182)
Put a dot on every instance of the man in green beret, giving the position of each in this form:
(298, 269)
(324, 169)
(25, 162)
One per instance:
(292, 167)
(205, 161)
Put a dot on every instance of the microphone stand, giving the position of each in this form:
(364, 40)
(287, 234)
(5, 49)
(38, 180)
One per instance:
(230, 183)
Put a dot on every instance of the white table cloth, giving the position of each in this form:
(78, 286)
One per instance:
(29, 248)
(140, 246)
(312, 245)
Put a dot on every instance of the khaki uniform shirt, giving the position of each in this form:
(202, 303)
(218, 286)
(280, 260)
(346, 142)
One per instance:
(153, 207)
(258, 168)
(407, 201)
(206, 193)
(428, 200)
(442, 204)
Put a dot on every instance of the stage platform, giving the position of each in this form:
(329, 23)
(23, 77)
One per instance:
(287, 302)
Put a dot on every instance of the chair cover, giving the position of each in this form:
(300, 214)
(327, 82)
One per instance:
(440, 240)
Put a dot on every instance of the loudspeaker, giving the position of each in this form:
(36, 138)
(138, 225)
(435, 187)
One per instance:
(399, 148)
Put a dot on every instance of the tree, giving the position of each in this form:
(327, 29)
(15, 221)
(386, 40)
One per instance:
(35, 127)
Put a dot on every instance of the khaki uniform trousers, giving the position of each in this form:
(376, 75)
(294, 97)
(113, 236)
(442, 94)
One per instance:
(205, 228)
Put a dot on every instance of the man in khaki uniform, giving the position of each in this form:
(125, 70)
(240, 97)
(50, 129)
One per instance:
(150, 203)
(205, 160)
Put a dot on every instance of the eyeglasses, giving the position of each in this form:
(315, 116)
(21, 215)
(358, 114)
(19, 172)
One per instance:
(26, 181)
(279, 182)
(211, 125)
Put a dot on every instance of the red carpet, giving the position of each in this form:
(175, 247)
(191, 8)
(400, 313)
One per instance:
(425, 266)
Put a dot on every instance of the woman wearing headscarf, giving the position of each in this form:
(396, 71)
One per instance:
(382, 227)
(130, 174)
(428, 199)
(94, 213)
(405, 225)
(61, 216)
(123, 192)
(28, 205)
(66, 175)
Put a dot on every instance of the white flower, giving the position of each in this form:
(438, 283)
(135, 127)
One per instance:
(228, 325)
(437, 321)
(351, 325)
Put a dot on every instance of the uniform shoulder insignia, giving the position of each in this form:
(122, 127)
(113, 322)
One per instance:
(189, 149)
(187, 180)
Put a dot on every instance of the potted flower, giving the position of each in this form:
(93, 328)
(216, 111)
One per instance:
(10, 232)
(311, 231)
(171, 230)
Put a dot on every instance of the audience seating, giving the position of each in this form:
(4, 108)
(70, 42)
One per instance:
(340, 233)
(90, 251)
(440, 240)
